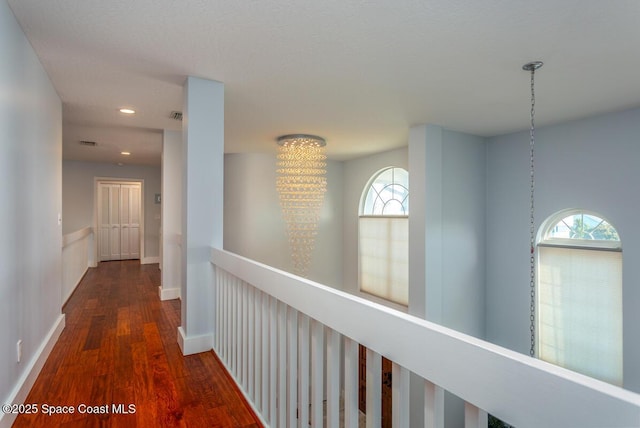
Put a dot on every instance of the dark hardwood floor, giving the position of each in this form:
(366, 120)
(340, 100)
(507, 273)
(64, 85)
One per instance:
(118, 357)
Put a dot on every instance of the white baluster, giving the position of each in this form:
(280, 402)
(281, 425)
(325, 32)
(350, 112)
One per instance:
(317, 373)
(216, 303)
(351, 363)
(433, 406)
(234, 330)
(374, 389)
(251, 350)
(273, 359)
(292, 375)
(282, 365)
(220, 280)
(227, 323)
(400, 396)
(257, 340)
(244, 344)
(266, 346)
(333, 379)
(303, 371)
(474, 417)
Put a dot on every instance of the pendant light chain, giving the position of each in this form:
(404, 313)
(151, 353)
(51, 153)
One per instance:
(532, 283)
(532, 67)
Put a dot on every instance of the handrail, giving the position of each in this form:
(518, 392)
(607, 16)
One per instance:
(77, 235)
(523, 391)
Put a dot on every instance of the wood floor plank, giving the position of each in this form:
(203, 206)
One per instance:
(119, 348)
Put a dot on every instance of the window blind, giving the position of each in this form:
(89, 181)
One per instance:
(384, 253)
(580, 311)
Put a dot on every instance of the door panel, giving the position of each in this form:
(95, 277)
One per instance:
(134, 224)
(119, 213)
(125, 209)
(104, 226)
(114, 214)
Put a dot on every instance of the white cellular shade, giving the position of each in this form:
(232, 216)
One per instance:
(580, 310)
(383, 248)
(383, 237)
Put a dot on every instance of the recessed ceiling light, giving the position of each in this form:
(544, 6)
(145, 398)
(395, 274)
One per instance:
(127, 111)
(125, 153)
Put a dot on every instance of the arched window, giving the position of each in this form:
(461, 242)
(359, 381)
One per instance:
(580, 295)
(383, 235)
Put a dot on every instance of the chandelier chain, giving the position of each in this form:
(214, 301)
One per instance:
(532, 273)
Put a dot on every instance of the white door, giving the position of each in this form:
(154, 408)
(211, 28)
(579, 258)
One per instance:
(130, 221)
(119, 211)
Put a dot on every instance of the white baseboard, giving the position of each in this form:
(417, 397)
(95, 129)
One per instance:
(149, 260)
(253, 405)
(169, 293)
(66, 298)
(194, 344)
(29, 376)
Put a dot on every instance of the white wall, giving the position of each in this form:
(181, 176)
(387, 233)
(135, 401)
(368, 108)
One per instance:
(30, 191)
(589, 164)
(253, 222)
(78, 197)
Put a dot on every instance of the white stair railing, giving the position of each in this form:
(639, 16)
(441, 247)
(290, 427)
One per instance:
(283, 338)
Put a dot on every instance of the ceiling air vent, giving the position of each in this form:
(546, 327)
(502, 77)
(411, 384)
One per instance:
(88, 143)
(176, 115)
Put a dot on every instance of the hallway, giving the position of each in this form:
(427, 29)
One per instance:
(118, 364)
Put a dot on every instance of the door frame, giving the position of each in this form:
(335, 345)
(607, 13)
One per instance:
(96, 227)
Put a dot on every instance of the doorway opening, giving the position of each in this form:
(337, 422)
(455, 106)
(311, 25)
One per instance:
(119, 219)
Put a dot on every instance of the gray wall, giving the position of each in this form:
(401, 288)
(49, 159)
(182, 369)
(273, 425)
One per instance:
(78, 196)
(253, 225)
(589, 164)
(30, 191)
(463, 232)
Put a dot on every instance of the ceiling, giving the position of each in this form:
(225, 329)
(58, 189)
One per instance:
(358, 73)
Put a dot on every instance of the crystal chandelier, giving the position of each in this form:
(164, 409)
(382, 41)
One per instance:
(301, 184)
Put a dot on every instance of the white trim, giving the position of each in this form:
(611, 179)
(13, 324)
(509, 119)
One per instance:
(31, 372)
(194, 344)
(168, 293)
(149, 260)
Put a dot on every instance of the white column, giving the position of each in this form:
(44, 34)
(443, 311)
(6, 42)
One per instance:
(425, 222)
(171, 215)
(425, 238)
(202, 208)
